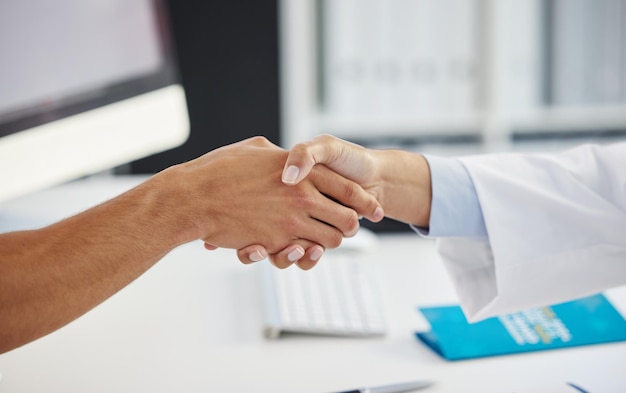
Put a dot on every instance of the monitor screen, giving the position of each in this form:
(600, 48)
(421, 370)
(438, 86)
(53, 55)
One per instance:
(84, 86)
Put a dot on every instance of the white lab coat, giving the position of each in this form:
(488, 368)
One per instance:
(556, 229)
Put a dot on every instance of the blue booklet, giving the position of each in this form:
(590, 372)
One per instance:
(591, 320)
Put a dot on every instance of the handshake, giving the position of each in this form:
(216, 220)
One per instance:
(290, 206)
(251, 196)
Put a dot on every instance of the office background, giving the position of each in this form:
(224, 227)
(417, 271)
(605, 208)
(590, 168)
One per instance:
(448, 77)
(228, 59)
(454, 76)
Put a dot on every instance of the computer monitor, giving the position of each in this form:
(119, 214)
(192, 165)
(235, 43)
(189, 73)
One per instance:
(85, 86)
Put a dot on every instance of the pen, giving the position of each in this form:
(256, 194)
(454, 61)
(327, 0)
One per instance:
(394, 388)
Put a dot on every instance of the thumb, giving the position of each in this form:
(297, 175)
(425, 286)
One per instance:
(302, 157)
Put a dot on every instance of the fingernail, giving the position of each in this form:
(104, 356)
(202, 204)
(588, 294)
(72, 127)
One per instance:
(317, 254)
(291, 174)
(379, 214)
(256, 256)
(295, 254)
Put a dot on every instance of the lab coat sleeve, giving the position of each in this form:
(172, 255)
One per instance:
(556, 228)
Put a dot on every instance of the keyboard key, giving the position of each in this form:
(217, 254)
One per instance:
(338, 297)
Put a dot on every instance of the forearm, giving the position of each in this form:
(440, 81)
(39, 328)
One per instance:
(231, 197)
(53, 275)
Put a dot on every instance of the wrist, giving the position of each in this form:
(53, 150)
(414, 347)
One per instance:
(406, 185)
(174, 207)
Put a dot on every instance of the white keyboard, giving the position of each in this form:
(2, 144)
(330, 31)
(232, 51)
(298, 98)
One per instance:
(339, 296)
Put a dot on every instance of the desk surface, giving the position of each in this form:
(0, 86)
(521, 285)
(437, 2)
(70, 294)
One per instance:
(193, 323)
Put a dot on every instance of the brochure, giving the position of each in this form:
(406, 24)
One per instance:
(591, 320)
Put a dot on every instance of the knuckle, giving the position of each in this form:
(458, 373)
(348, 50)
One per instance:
(370, 204)
(350, 192)
(325, 138)
(351, 222)
(299, 149)
(304, 200)
(259, 140)
(300, 154)
(334, 240)
(348, 219)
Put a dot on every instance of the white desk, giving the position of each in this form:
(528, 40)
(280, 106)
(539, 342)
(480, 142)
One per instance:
(193, 324)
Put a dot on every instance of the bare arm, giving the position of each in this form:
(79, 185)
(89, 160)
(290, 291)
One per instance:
(53, 275)
(230, 197)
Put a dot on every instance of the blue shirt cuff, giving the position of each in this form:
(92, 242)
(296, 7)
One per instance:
(455, 209)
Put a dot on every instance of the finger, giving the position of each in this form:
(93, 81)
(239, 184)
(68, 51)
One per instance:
(251, 254)
(288, 256)
(323, 221)
(334, 216)
(209, 246)
(302, 157)
(312, 254)
(311, 257)
(347, 193)
(327, 211)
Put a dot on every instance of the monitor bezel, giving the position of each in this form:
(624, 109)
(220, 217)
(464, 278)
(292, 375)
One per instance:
(114, 126)
(58, 108)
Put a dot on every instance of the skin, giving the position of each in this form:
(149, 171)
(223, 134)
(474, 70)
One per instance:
(399, 180)
(230, 197)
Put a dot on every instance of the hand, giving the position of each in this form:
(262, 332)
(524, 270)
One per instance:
(348, 159)
(235, 198)
(399, 180)
(353, 161)
(305, 254)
